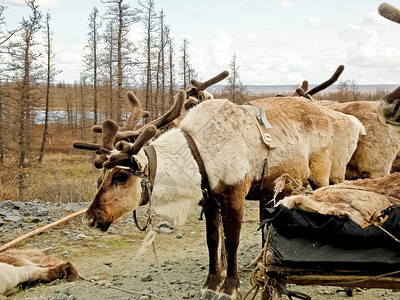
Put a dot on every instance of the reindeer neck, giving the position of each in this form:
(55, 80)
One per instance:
(177, 184)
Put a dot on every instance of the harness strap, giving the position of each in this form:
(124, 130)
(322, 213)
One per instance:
(148, 188)
(205, 184)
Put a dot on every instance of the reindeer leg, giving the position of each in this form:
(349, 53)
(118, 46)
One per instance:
(232, 221)
(214, 278)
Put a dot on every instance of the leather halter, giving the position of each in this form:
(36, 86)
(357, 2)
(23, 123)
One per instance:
(208, 196)
(147, 186)
(148, 180)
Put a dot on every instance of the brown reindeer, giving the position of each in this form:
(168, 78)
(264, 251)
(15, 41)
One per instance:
(389, 106)
(377, 150)
(215, 158)
(31, 265)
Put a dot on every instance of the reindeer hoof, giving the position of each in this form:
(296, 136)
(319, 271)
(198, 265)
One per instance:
(206, 295)
(235, 296)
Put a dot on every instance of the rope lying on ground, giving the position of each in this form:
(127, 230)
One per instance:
(41, 229)
(107, 284)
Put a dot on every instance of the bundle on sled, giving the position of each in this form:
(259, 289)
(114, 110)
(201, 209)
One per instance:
(342, 235)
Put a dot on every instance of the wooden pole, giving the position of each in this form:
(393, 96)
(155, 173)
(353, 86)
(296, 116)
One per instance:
(41, 229)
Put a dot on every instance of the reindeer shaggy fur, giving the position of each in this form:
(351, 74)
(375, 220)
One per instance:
(377, 150)
(31, 265)
(230, 145)
(329, 139)
(357, 200)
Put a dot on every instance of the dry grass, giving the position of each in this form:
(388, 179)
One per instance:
(60, 178)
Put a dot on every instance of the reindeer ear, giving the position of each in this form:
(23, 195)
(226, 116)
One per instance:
(137, 165)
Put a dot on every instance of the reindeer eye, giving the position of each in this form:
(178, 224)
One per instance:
(121, 178)
(190, 106)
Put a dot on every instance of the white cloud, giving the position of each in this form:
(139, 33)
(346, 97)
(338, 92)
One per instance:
(359, 34)
(68, 60)
(374, 18)
(286, 4)
(249, 36)
(364, 52)
(220, 41)
(41, 3)
(315, 22)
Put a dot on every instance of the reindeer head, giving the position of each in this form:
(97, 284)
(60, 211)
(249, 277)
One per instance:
(389, 110)
(125, 166)
(389, 106)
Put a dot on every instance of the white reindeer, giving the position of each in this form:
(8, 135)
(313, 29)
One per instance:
(216, 158)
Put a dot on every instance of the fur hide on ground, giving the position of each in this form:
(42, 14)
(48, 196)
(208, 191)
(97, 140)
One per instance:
(31, 265)
(357, 200)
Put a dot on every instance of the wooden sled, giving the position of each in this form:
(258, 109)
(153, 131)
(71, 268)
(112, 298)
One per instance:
(312, 255)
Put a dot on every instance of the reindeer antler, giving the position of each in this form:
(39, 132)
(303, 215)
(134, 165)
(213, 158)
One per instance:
(162, 121)
(389, 12)
(127, 150)
(111, 135)
(137, 113)
(201, 86)
(134, 117)
(301, 90)
(327, 83)
(109, 130)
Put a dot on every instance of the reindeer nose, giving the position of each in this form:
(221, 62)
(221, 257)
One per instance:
(89, 221)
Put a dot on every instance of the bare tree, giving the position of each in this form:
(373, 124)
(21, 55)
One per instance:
(49, 81)
(347, 91)
(187, 70)
(26, 73)
(123, 16)
(5, 35)
(171, 69)
(148, 19)
(91, 60)
(185, 62)
(107, 62)
(235, 88)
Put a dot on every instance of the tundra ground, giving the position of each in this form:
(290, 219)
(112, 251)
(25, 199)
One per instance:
(111, 259)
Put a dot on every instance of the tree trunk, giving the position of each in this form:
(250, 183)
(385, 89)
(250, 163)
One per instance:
(118, 110)
(48, 82)
(1, 130)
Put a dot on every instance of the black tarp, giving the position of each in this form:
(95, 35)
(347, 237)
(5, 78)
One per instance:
(310, 240)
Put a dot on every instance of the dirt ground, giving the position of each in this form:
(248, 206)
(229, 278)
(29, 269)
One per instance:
(111, 259)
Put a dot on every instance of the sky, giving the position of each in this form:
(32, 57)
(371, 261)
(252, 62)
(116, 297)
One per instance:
(275, 41)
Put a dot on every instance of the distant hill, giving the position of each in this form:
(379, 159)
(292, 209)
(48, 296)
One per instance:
(287, 89)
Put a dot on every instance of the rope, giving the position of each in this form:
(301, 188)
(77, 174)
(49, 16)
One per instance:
(149, 240)
(107, 284)
(162, 274)
(388, 233)
(287, 181)
(258, 275)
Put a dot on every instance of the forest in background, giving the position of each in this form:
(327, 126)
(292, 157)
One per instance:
(40, 117)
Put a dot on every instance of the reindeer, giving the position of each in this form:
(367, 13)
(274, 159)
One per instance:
(215, 158)
(31, 265)
(388, 106)
(377, 150)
